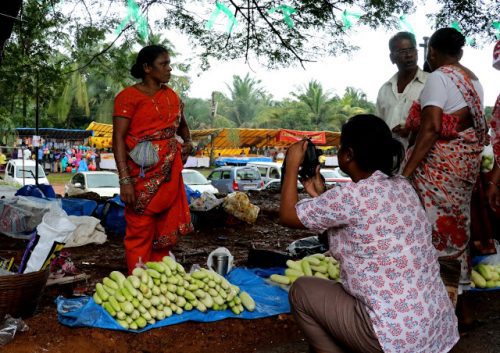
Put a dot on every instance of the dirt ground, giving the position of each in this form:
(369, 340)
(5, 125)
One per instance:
(277, 334)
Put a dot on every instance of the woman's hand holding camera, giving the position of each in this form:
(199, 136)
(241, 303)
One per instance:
(295, 154)
(315, 185)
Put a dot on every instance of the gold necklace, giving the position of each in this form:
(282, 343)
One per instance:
(155, 103)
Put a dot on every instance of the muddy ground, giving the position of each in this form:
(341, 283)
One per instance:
(277, 334)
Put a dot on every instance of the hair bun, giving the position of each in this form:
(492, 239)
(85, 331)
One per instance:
(137, 71)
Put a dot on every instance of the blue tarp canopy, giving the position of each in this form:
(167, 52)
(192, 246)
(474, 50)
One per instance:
(58, 134)
(240, 160)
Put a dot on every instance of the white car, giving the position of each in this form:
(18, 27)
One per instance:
(22, 172)
(103, 183)
(269, 171)
(197, 182)
(334, 176)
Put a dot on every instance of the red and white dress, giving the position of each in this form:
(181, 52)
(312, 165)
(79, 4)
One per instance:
(380, 234)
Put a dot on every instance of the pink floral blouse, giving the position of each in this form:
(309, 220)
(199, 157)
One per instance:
(380, 234)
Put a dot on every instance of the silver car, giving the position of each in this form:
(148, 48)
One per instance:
(229, 179)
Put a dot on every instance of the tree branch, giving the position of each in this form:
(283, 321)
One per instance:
(278, 34)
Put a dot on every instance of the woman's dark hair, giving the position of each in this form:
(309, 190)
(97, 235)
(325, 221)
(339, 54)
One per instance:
(448, 41)
(372, 143)
(147, 55)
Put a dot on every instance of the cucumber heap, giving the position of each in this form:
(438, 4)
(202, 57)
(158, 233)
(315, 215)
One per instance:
(317, 265)
(163, 289)
(486, 276)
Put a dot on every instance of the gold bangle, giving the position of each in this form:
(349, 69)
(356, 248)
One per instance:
(126, 180)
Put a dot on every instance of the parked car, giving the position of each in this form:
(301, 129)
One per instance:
(228, 179)
(22, 172)
(103, 183)
(334, 176)
(268, 170)
(197, 181)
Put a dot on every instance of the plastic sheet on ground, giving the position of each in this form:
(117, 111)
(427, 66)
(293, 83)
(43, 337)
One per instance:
(269, 301)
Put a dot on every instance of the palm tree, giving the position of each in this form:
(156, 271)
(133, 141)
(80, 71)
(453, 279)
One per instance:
(317, 101)
(246, 99)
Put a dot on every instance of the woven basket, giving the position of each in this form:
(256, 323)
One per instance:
(20, 294)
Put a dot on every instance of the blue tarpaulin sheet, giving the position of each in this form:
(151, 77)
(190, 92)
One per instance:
(78, 207)
(269, 301)
(240, 160)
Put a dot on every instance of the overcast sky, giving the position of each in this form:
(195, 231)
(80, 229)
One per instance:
(366, 69)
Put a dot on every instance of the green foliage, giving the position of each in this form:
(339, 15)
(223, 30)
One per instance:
(312, 109)
(246, 100)
(69, 54)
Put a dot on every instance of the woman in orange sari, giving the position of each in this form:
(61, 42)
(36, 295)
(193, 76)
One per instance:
(147, 123)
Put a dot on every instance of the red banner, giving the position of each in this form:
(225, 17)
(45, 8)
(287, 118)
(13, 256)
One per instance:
(317, 137)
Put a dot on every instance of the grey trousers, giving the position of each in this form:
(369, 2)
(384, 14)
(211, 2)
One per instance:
(331, 319)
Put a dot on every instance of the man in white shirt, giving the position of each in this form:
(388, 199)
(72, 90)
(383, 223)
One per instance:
(396, 96)
(26, 154)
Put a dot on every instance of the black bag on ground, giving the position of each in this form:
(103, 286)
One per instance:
(308, 246)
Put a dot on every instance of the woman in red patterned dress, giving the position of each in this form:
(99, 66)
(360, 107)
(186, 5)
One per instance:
(493, 190)
(449, 134)
(150, 114)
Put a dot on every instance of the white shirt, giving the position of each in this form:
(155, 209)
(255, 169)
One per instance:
(26, 154)
(392, 106)
(440, 91)
(382, 238)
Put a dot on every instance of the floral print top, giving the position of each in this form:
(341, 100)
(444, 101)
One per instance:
(380, 234)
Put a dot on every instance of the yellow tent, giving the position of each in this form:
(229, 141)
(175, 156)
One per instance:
(102, 135)
(218, 139)
(225, 138)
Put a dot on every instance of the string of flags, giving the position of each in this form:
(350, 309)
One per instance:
(349, 19)
(140, 21)
(220, 7)
(286, 11)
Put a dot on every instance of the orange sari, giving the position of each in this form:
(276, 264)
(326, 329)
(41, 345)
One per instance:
(161, 212)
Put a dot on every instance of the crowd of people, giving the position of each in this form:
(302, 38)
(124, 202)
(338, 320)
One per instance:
(57, 160)
(402, 222)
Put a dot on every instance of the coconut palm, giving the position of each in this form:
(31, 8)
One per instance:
(246, 100)
(317, 102)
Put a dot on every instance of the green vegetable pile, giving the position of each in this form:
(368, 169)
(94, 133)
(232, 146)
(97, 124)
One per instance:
(487, 163)
(163, 289)
(317, 265)
(486, 276)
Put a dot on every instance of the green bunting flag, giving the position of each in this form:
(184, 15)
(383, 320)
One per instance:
(232, 21)
(286, 11)
(140, 21)
(346, 18)
(496, 25)
(404, 24)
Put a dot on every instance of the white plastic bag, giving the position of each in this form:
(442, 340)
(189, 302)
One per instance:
(492, 259)
(221, 250)
(205, 202)
(52, 233)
